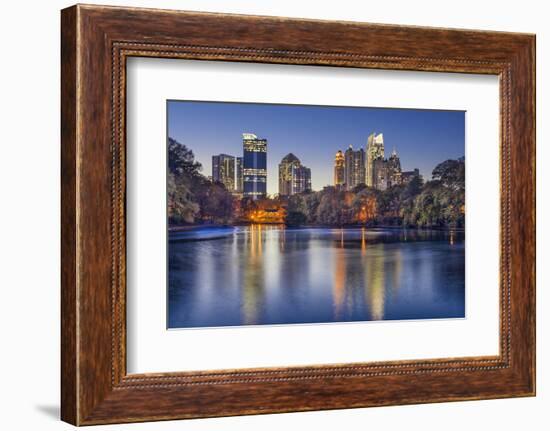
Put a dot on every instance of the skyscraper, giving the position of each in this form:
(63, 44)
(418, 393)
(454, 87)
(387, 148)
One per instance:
(286, 173)
(254, 166)
(380, 174)
(239, 175)
(302, 179)
(339, 169)
(354, 167)
(375, 150)
(293, 176)
(223, 170)
(394, 170)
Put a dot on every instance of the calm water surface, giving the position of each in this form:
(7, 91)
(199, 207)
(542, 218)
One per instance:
(262, 274)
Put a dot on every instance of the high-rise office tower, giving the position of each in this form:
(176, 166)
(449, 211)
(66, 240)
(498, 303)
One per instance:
(223, 170)
(354, 164)
(254, 166)
(339, 169)
(380, 174)
(239, 175)
(394, 170)
(293, 176)
(302, 179)
(286, 173)
(375, 150)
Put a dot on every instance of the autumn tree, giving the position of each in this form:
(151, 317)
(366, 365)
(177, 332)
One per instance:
(365, 206)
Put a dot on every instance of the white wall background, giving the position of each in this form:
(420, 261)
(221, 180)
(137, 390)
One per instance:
(29, 215)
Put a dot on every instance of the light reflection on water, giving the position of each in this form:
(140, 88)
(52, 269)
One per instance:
(265, 274)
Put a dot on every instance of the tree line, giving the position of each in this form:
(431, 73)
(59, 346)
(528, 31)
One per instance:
(193, 198)
(439, 202)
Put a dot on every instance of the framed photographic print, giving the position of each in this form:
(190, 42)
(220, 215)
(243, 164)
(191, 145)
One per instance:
(267, 215)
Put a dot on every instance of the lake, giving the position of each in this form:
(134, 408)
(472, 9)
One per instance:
(269, 274)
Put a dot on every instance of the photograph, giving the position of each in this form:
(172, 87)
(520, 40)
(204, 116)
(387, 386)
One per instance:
(282, 214)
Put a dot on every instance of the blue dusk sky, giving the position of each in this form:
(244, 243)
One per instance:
(422, 138)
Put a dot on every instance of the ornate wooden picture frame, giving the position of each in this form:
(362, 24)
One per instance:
(96, 41)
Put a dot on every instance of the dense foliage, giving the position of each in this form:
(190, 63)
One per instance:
(192, 198)
(437, 203)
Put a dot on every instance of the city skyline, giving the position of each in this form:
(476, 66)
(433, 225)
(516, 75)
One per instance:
(294, 129)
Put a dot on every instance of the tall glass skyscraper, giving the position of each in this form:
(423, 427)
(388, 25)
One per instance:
(254, 166)
(223, 170)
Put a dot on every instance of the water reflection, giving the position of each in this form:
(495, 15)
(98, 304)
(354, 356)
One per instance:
(374, 286)
(339, 284)
(271, 275)
(253, 276)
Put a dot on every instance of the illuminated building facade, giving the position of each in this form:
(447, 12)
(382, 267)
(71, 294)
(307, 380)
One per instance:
(394, 170)
(383, 173)
(254, 166)
(354, 167)
(223, 170)
(239, 174)
(387, 173)
(375, 151)
(380, 174)
(293, 176)
(339, 169)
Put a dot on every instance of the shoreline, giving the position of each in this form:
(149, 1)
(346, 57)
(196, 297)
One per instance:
(185, 228)
(189, 228)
